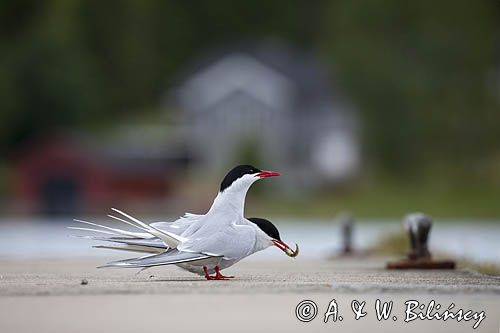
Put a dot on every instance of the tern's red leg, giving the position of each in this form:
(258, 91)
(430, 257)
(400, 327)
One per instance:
(219, 276)
(207, 276)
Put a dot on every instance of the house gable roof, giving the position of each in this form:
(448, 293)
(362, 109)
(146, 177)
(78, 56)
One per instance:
(236, 72)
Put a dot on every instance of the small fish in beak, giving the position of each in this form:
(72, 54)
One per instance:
(285, 248)
(291, 253)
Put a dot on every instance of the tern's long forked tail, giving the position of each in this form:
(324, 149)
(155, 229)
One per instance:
(148, 239)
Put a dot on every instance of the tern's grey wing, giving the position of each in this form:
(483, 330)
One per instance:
(235, 241)
(166, 258)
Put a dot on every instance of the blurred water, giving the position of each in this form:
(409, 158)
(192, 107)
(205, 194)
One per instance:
(479, 241)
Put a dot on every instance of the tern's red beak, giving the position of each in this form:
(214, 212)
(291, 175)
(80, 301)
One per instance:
(285, 248)
(266, 174)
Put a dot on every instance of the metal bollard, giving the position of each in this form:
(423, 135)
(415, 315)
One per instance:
(418, 226)
(346, 225)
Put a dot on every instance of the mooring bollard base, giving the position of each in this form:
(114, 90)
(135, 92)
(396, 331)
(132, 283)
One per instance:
(422, 264)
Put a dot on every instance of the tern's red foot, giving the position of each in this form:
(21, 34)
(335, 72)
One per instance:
(217, 276)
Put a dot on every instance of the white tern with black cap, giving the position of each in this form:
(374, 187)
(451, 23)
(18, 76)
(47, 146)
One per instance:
(202, 244)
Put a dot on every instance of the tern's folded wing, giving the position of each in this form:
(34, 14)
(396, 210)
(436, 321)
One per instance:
(166, 258)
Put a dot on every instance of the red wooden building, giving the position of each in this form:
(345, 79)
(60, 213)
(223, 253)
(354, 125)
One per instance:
(65, 175)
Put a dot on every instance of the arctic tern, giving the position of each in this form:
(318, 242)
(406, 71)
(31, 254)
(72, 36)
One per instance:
(201, 244)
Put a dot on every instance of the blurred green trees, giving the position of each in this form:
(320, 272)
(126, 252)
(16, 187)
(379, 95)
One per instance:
(422, 73)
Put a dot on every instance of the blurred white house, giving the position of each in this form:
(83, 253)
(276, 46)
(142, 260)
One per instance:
(271, 106)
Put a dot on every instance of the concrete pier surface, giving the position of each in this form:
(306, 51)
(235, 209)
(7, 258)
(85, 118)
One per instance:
(48, 296)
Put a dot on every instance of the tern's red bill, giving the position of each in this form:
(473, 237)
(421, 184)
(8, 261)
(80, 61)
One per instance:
(267, 174)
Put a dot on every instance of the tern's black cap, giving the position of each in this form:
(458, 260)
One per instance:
(237, 172)
(267, 227)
